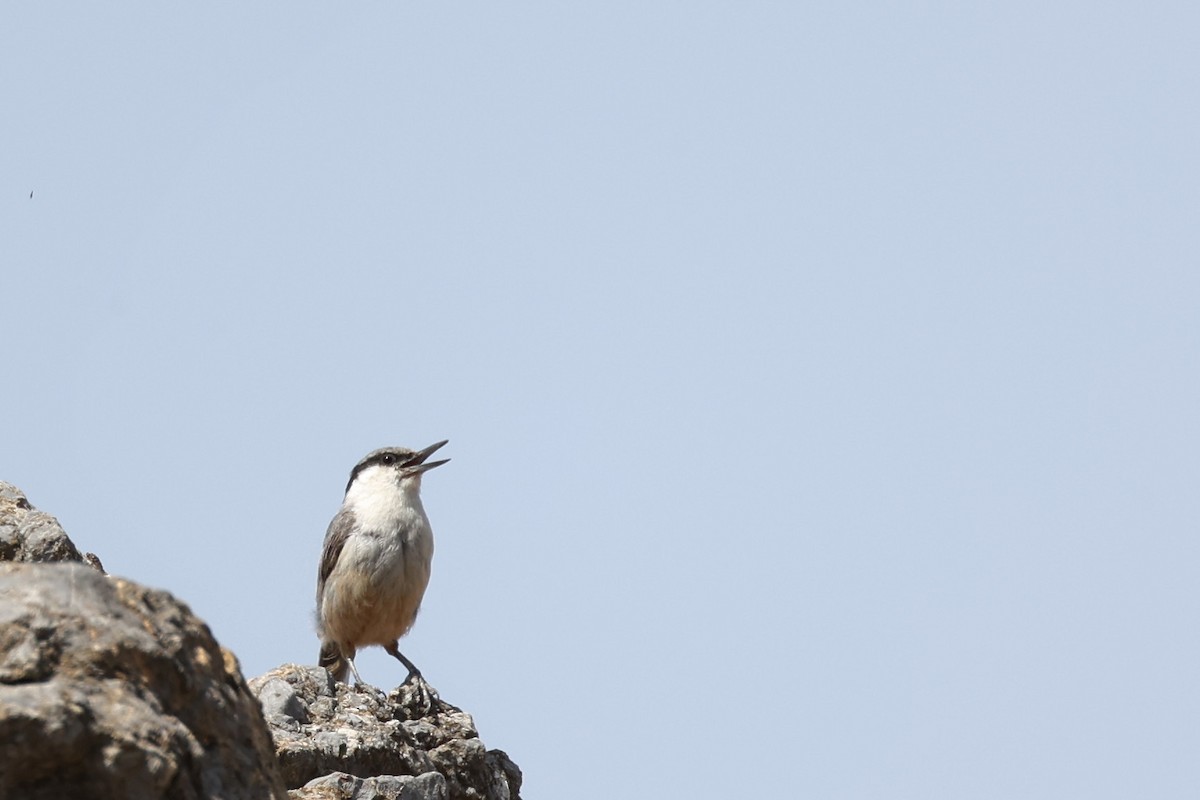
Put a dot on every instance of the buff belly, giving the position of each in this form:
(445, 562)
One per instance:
(363, 606)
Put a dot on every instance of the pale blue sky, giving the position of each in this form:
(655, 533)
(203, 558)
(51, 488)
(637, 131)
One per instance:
(821, 380)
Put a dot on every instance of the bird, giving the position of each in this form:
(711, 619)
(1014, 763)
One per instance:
(375, 561)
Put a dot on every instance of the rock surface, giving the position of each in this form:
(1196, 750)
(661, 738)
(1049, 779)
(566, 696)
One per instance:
(337, 741)
(109, 689)
(29, 535)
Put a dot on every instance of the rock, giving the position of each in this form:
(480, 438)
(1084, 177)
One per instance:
(339, 785)
(109, 689)
(29, 535)
(338, 741)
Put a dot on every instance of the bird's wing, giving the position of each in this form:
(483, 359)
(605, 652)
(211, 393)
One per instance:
(335, 540)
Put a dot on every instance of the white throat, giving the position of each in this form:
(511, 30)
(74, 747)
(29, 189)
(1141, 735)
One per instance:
(381, 501)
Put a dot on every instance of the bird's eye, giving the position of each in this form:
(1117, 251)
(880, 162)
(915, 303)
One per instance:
(388, 459)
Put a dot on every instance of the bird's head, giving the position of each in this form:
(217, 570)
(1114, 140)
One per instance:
(398, 466)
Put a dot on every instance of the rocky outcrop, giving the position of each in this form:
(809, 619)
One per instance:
(29, 535)
(337, 741)
(110, 689)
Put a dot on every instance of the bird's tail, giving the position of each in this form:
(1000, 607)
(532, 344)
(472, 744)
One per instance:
(332, 659)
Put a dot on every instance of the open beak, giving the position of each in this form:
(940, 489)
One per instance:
(416, 465)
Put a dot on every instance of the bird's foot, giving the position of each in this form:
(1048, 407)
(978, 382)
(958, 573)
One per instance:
(374, 692)
(417, 697)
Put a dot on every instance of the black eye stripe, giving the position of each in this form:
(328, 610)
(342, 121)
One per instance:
(379, 459)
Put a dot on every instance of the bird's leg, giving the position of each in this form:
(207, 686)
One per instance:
(426, 694)
(363, 686)
(394, 651)
(358, 681)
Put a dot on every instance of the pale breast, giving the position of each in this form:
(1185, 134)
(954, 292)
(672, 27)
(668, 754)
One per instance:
(373, 594)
